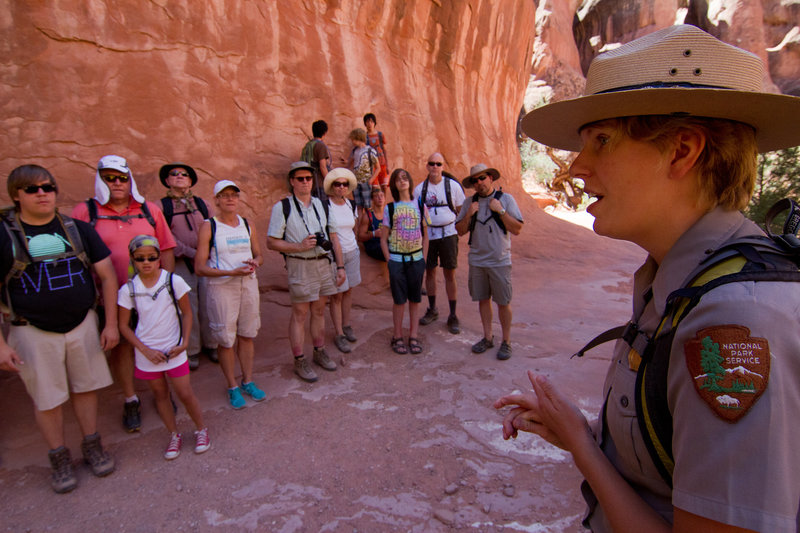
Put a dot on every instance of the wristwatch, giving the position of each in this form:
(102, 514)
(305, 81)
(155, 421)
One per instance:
(501, 213)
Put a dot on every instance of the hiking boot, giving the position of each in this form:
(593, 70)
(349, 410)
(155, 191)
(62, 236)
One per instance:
(212, 355)
(99, 460)
(304, 370)
(63, 478)
(348, 334)
(504, 352)
(235, 398)
(483, 345)
(194, 361)
(452, 325)
(341, 343)
(252, 390)
(430, 316)
(201, 441)
(132, 416)
(174, 447)
(321, 358)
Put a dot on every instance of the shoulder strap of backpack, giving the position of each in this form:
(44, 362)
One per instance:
(167, 209)
(448, 195)
(212, 241)
(201, 206)
(287, 210)
(390, 207)
(91, 207)
(246, 225)
(147, 214)
(74, 238)
(19, 244)
(171, 289)
(423, 194)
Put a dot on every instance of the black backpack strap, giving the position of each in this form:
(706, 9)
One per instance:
(246, 225)
(92, 208)
(171, 289)
(287, 209)
(201, 206)
(447, 194)
(167, 209)
(390, 207)
(211, 241)
(147, 214)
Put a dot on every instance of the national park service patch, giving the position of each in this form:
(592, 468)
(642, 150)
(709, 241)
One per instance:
(730, 369)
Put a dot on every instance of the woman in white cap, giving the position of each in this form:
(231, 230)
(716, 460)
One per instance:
(340, 183)
(119, 212)
(697, 432)
(228, 253)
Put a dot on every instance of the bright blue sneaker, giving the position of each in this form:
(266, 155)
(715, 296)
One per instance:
(253, 391)
(236, 398)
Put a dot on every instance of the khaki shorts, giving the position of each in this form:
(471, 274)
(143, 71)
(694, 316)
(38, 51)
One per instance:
(494, 282)
(59, 363)
(308, 280)
(352, 268)
(233, 309)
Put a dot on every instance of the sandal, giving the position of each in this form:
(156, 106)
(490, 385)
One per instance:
(414, 345)
(399, 346)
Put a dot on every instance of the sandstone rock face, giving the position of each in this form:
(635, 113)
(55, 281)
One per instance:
(769, 29)
(232, 87)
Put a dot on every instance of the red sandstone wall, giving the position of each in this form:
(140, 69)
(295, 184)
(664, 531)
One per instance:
(232, 87)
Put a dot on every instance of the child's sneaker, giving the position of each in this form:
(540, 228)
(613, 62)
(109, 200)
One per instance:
(235, 398)
(201, 441)
(253, 391)
(174, 448)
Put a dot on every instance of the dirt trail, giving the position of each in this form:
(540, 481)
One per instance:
(387, 443)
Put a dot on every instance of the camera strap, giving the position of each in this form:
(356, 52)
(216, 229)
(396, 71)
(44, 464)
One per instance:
(323, 227)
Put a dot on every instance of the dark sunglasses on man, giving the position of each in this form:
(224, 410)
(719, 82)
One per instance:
(33, 189)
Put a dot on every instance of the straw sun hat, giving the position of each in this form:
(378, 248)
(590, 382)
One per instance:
(680, 70)
(338, 173)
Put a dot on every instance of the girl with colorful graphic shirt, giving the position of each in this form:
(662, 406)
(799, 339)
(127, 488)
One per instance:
(404, 236)
(161, 302)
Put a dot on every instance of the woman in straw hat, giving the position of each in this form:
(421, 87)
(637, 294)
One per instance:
(668, 132)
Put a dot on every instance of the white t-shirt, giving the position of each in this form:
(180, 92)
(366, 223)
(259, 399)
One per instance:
(231, 248)
(345, 224)
(158, 326)
(442, 218)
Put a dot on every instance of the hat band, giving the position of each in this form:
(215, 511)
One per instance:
(662, 85)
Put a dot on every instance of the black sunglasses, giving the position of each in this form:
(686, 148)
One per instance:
(179, 173)
(304, 178)
(33, 189)
(114, 179)
(149, 258)
(435, 163)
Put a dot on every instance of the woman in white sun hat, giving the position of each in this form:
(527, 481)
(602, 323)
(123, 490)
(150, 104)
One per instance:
(697, 432)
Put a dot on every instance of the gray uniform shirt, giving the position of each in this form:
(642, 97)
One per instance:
(490, 246)
(300, 223)
(744, 473)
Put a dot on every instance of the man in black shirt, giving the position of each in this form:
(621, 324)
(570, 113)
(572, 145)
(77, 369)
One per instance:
(46, 264)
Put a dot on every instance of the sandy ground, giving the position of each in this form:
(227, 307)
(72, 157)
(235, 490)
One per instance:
(386, 443)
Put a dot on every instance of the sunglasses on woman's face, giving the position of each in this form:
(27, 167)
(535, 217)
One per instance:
(143, 258)
(340, 184)
(33, 189)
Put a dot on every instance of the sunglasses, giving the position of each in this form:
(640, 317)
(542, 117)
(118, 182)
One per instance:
(179, 173)
(435, 163)
(340, 184)
(142, 258)
(115, 179)
(304, 178)
(33, 189)
(481, 178)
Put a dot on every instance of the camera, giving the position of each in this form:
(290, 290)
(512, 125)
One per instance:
(322, 242)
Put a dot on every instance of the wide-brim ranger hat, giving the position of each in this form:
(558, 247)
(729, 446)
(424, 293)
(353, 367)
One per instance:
(163, 173)
(339, 173)
(221, 185)
(477, 170)
(681, 71)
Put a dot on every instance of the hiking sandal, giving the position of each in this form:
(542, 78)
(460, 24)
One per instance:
(399, 346)
(414, 345)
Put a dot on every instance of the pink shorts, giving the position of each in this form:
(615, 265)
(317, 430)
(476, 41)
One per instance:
(176, 372)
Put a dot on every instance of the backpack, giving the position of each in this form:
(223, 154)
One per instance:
(167, 208)
(750, 258)
(93, 216)
(23, 257)
(307, 154)
(213, 220)
(170, 288)
(495, 216)
(448, 196)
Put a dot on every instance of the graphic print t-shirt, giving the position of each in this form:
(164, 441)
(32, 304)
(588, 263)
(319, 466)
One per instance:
(405, 235)
(53, 295)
